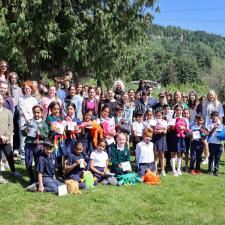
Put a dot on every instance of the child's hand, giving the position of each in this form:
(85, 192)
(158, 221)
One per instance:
(40, 189)
(102, 174)
(120, 166)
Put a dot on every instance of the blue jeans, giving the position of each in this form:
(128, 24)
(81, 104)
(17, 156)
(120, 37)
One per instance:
(196, 154)
(51, 184)
(142, 167)
(215, 152)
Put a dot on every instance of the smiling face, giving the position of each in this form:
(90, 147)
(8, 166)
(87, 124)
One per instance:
(70, 110)
(52, 92)
(1, 101)
(105, 113)
(4, 88)
(27, 90)
(55, 110)
(3, 67)
(72, 91)
(37, 112)
(211, 96)
(91, 93)
(121, 140)
(48, 151)
(78, 149)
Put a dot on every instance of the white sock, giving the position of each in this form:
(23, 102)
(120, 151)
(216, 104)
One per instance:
(173, 162)
(179, 161)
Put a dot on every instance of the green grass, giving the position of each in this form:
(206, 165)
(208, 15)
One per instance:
(178, 200)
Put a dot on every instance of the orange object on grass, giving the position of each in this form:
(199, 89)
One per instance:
(150, 178)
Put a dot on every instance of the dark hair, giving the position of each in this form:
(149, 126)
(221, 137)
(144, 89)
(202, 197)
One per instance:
(159, 111)
(199, 116)
(48, 143)
(118, 108)
(214, 113)
(165, 106)
(88, 110)
(37, 106)
(71, 104)
(104, 107)
(78, 143)
(102, 141)
(139, 113)
(52, 104)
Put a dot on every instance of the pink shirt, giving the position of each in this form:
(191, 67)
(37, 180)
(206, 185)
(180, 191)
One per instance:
(91, 105)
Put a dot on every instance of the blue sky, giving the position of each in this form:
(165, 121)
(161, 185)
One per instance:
(207, 15)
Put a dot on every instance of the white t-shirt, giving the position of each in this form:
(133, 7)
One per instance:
(138, 128)
(99, 158)
(144, 152)
(213, 139)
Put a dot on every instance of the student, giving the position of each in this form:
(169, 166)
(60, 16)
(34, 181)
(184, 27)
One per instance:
(56, 134)
(99, 162)
(46, 170)
(120, 153)
(144, 153)
(215, 145)
(137, 128)
(149, 119)
(119, 114)
(75, 165)
(36, 132)
(159, 140)
(72, 133)
(6, 129)
(196, 145)
(177, 144)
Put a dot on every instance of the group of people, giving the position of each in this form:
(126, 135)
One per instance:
(69, 127)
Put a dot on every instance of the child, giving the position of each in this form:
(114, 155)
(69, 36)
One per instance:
(215, 145)
(196, 145)
(119, 114)
(99, 162)
(119, 154)
(54, 121)
(159, 140)
(75, 165)
(149, 119)
(137, 128)
(177, 144)
(72, 131)
(36, 131)
(186, 115)
(46, 169)
(144, 153)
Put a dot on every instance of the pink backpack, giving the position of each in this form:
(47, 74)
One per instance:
(108, 126)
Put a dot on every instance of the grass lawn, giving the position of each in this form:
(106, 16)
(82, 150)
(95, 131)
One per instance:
(178, 200)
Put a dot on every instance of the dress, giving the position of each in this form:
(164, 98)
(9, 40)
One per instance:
(176, 144)
(159, 141)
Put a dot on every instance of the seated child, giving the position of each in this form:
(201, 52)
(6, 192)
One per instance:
(99, 162)
(144, 153)
(75, 165)
(119, 154)
(46, 170)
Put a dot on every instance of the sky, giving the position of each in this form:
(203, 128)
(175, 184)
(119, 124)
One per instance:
(205, 15)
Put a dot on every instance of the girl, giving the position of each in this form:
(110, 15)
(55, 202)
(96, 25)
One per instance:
(159, 140)
(177, 144)
(99, 162)
(186, 115)
(72, 129)
(54, 122)
(149, 119)
(45, 101)
(4, 70)
(25, 105)
(128, 108)
(98, 93)
(75, 165)
(120, 153)
(144, 153)
(192, 105)
(36, 132)
(91, 103)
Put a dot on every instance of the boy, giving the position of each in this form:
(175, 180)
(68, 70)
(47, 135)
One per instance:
(215, 145)
(46, 170)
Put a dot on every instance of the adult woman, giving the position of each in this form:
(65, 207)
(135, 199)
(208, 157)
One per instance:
(8, 100)
(141, 87)
(128, 108)
(111, 103)
(118, 89)
(91, 103)
(98, 93)
(4, 70)
(25, 105)
(73, 98)
(6, 129)
(45, 101)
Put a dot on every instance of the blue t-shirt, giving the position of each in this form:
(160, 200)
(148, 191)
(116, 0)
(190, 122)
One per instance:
(77, 171)
(46, 165)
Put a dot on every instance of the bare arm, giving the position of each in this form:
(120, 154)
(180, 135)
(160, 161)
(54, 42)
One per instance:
(69, 168)
(40, 183)
(93, 169)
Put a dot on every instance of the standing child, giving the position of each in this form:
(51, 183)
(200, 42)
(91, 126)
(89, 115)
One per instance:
(54, 121)
(215, 145)
(137, 128)
(196, 145)
(149, 119)
(46, 170)
(177, 144)
(159, 140)
(119, 154)
(36, 131)
(75, 165)
(144, 153)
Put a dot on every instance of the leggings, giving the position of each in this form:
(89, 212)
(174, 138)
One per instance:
(7, 149)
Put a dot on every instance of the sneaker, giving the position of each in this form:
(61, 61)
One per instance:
(217, 173)
(179, 172)
(205, 162)
(210, 173)
(163, 173)
(198, 172)
(3, 180)
(16, 174)
(32, 187)
(175, 174)
(193, 172)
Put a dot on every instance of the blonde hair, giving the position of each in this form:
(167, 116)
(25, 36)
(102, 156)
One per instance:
(148, 132)
(216, 102)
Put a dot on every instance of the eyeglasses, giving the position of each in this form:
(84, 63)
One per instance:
(4, 66)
